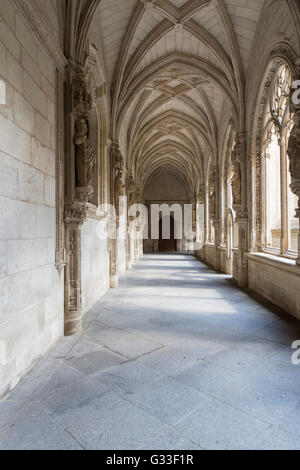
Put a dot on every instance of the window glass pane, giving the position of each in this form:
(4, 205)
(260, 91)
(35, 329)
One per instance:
(273, 196)
(293, 221)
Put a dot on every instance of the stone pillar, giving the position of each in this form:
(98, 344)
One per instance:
(283, 185)
(239, 196)
(74, 218)
(79, 169)
(217, 228)
(294, 153)
(136, 249)
(214, 213)
(242, 278)
(117, 187)
(131, 195)
(141, 245)
(128, 253)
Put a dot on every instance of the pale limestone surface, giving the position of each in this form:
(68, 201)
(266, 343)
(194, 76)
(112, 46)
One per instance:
(169, 97)
(31, 307)
(175, 358)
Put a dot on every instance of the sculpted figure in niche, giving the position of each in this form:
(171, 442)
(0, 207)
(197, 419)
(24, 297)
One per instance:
(236, 184)
(118, 189)
(131, 190)
(212, 201)
(85, 155)
(82, 100)
(294, 149)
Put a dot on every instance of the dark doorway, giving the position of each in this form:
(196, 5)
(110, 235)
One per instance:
(169, 244)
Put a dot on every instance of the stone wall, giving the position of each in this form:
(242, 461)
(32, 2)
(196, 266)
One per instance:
(225, 261)
(208, 255)
(94, 265)
(277, 281)
(31, 307)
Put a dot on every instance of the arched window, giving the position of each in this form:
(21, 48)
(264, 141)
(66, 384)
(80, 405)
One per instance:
(273, 191)
(293, 221)
(280, 225)
(232, 235)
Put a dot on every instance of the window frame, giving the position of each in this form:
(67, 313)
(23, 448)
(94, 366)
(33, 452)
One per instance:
(278, 117)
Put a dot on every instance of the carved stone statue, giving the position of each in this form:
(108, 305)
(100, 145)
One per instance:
(116, 156)
(118, 188)
(212, 201)
(131, 190)
(294, 149)
(85, 155)
(236, 184)
(82, 100)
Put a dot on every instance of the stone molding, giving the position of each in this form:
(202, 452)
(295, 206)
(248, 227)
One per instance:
(275, 261)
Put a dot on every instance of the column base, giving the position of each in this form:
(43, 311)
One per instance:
(73, 326)
(114, 282)
(240, 270)
(129, 265)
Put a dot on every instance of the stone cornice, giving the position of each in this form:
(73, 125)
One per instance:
(29, 10)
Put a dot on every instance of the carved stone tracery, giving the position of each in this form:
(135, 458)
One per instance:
(271, 104)
(294, 151)
(212, 194)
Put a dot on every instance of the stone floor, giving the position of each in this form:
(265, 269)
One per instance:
(175, 358)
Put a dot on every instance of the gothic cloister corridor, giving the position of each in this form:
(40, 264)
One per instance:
(175, 357)
(149, 224)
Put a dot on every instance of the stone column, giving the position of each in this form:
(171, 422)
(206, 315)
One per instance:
(117, 186)
(242, 220)
(214, 213)
(202, 200)
(74, 218)
(130, 191)
(239, 196)
(294, 153)
(217, 228)
(283, 185)
(79, 169)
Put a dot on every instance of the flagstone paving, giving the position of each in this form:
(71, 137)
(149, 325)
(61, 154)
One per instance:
(176, 358)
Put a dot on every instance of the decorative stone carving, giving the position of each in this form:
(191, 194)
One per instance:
(201, 195)
(259, 154)
(294, 140)
(118, 189)
(75, 214)
(212, 201)
(236, 185)
(294, 154)
(212, 189)
(294, 151)
(283, 51)
(131, 193)
(84, 156)
(117, 165)
(117, 172)
(81, 98)
(116, 157)
(131, 189)
(81, 158)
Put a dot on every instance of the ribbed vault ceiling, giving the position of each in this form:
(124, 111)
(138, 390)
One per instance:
(171, 67)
